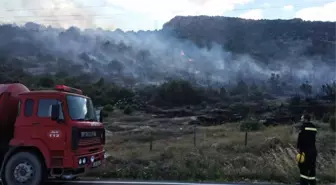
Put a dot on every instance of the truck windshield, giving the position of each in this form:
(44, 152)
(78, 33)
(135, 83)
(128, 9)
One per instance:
(80, 108)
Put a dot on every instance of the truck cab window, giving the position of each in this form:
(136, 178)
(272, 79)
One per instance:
(80, 108)
(28, 107)
(44, 108)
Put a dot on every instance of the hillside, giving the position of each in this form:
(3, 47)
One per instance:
(236, 49)
(265, 40)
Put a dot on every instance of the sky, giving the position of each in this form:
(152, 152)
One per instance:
(152, 14)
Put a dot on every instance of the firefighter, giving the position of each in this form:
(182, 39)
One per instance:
(306, 147)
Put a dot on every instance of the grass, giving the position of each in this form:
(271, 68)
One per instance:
(220, 153)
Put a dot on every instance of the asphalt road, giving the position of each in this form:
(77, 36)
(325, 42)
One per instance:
(107, 182)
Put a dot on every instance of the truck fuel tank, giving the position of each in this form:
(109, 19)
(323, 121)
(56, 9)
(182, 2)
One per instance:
(9, 106)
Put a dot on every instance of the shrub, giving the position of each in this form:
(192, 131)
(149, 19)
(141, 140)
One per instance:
(105, 114)
(46, 81)
(177, 93)
(108, 108)
(326, 118)
(295, 100)
(332, 122)
(250, 125)
(122, 107)
(128, 110)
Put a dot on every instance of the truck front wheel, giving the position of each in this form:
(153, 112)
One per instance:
(24, 168)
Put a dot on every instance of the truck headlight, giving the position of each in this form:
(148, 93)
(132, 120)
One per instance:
(84, 160)
(80, 161)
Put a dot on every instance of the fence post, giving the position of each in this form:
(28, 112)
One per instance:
(246, 138)
(151, 141)
(194, 135)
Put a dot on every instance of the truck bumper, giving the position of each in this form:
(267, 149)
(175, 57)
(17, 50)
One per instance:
(82, 164)
(89, 161)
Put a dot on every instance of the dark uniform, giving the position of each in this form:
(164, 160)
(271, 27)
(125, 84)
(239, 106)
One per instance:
(306, 144)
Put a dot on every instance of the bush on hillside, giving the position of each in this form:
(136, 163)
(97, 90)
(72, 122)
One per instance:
(46, 81)
(326, 118)
(108, 108)
(178, 93)
(106, 93)
(250, 125)
(332, 122)
(105, 114)
(295, 100)
(128, 110)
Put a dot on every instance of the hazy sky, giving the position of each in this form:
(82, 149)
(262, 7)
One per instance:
(152, 14)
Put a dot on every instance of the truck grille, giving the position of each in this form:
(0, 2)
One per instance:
(89, 142)
(87, 137)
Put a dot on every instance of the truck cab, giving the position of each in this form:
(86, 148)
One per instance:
(55, 133)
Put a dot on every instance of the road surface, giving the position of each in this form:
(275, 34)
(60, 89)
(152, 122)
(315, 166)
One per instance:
(112, 182)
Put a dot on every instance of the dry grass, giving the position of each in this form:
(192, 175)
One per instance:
(220, 154)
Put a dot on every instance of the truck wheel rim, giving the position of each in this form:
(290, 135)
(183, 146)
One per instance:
(23, 172)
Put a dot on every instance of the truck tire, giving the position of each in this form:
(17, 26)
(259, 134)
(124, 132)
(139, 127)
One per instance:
(24, 167)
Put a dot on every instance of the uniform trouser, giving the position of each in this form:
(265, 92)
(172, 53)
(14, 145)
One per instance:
(308, 169)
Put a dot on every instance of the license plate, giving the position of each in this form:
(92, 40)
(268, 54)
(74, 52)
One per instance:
(96, 163)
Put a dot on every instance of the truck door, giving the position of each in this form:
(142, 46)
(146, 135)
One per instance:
(51, 132)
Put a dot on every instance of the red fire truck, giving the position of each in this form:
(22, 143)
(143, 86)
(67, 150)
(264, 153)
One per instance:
(47, 133)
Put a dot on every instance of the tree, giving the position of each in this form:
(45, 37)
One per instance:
(240, 89)
(115, 66)
(306, 88)
(178, 92)
(329, 90)
(100, 82)
(275, 83)
(46, 81)
(143, 55)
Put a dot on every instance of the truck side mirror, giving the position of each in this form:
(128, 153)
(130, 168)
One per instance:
(55, 112)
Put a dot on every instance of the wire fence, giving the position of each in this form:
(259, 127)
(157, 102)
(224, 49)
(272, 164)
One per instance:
(153, 135)
(179, 148)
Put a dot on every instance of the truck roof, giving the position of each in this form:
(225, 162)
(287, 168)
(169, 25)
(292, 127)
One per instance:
(39, 92)
(20, 89)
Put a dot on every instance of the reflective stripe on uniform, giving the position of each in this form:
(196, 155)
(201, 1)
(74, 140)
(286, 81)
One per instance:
(306, 177)
(310, 128)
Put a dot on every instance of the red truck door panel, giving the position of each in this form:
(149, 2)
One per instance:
(52, 133)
